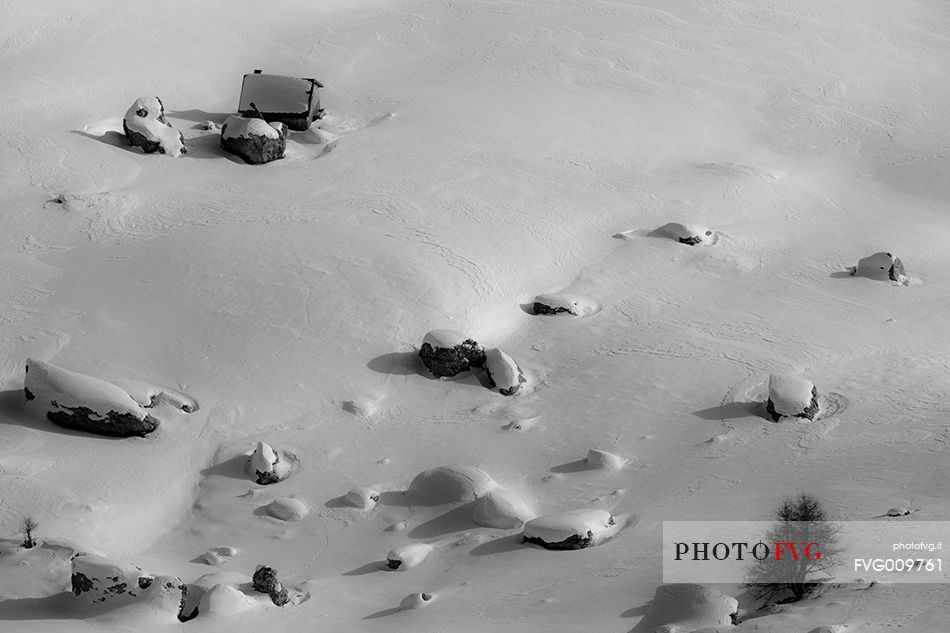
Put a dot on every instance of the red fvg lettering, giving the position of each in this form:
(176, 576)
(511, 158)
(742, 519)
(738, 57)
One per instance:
(781, 546)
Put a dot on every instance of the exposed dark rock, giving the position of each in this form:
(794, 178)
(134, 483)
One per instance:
(140, 140)
(809, 412)
(393, 563)
(267, 477)
(540, 308)
(572, 542)
(445, 362)
(897, 270)
(145, 582)
(254, 140)
(80, 583)
(265, 581)
(114, 425)
(29, 394)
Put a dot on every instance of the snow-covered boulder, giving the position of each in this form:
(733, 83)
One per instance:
(286, 509)
(363, 497)
(254, 140)
(224, 600)
(501, 508)
(575, 529)
(604, 460)
(101, 581)
(690, 234)
(503, 372)
(145, 126)
(267, 465)
(446, 353)
(688, 607)
(881, 266)
(448, 484)
(791, 396)
(564, 302)
(898, 511)
(265, 581)
(407, 556)
(416, 601)
(77, 401)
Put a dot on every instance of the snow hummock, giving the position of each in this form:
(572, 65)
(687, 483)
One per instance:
(689, 607)
(598, 525)
(152, 127)
(501, 508)
(50, 384)
(605, 460)
(693, 233)
(287, 509)
(417, 600)
(407, 556)
(503, 372)
(236, 127)
(790, 395)
(444, 338)
(224, 600)
(447, 484)
(362, 497)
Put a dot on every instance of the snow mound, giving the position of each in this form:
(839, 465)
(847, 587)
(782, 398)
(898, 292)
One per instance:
(688, 607)
(559, 302)
(898, 511)
(145, 125)
(416, 601)
(222, 600)
(604, 460)
(503, 372)
(103, 582)
(881, 266)
(501, 508)
(690, 234)
(575, 529)
(447, 484)
(791, 395)
(74, 400)
(286, 509)
(149, 395)
(364, 497)
(407, 556)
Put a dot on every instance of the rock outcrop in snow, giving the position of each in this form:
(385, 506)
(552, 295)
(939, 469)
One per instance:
(688, 607)
(101, 581)
(145, 126)
(689, 234)
(575, 529)
(564, 302)
(448, 484)
(265, 581)
(791, 396)
(255, 140)
(503, 372)
(267, 465)
(76, 401)
(446, 353)
(407, 556)
(881, 266)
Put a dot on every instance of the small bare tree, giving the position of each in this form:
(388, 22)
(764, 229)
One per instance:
(799, 521)
(27, 527)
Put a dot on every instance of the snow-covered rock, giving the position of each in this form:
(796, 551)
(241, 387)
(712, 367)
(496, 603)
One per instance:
(564, 302)
(265, 581)
(267, 465)
(503, 372)
(224, 599)
(898, 511)
(446, 353)
(287, 509)
(575, 529)
(501, 508)
(880, 266)
(407, 556)
(363, 497)
(690, 234)
(416, 601)
(101, 581)
(688, 607)
(792, 396)
(602, 459)
(448, 484)
(77, 401)
(145, 126)
(254, 140)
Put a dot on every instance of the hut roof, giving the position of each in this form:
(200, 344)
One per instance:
(277, 93)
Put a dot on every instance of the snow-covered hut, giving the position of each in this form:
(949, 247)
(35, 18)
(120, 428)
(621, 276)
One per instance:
(293, 101)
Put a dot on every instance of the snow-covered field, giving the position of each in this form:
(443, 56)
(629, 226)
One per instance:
(475, 155)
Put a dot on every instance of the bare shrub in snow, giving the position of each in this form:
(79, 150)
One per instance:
(27, 525)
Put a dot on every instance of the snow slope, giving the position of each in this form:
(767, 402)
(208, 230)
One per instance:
(474, 156)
